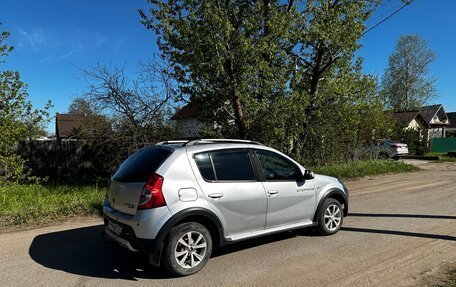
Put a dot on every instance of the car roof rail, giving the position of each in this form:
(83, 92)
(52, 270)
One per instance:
(172, 142)
(217, 141)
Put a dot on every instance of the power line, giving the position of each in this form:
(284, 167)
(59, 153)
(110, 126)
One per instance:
(391, 15)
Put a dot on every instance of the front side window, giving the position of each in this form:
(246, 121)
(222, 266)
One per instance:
(276, 167)
(226, 165)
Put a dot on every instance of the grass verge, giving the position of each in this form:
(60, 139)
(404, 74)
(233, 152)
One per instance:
(443, 156)
(35, 204)
(450, 281)
(447, 159)
(365, 168)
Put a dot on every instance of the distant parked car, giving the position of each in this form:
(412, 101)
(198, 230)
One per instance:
(392, 149)
(385, 149)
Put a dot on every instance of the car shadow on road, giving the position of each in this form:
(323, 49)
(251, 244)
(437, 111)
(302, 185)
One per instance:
(82, 251)
(255, 242)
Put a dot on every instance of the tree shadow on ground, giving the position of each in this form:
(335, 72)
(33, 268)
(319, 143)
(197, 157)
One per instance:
(399, 215)
(400, 233)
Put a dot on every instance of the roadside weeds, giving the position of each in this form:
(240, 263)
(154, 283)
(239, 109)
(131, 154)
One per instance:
(28, 205)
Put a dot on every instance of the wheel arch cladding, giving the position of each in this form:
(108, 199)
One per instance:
(338, 195)
(194, 214)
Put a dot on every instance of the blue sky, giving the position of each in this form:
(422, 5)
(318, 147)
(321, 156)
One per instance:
(55, 40)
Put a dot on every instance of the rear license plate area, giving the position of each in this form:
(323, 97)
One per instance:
(114, 227)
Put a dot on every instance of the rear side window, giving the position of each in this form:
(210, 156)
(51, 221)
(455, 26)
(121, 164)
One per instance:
(141, 165)
(203, 161)
(226, 165)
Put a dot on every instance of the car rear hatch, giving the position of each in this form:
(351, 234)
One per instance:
(399, 147)
(128, 182)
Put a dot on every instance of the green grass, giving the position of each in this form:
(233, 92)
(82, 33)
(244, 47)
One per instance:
(365, 168)
(450, 281)
(447, 159)
(34, 204)
(435, 153)
(442, 156)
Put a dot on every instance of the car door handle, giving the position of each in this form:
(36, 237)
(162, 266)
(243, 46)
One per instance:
(272, 192)
(215, 195)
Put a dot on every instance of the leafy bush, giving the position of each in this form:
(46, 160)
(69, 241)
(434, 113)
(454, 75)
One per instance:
(18, 120)
(416, 140)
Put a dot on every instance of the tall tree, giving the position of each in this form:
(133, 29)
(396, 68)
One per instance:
(18, 119)
(328, 72)
(124, 113)
(80, 106)
(226, 54)
(407, 82)
(285, 72)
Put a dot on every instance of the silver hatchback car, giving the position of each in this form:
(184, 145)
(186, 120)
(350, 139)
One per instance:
(177, 200)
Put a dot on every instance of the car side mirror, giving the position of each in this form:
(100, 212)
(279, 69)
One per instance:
(308, 175)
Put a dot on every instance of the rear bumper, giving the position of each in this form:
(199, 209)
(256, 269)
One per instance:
(399, 155)
(144, 224)
(128, 239)
(111, 236)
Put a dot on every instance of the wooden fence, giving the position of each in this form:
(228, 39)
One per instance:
(62, 160)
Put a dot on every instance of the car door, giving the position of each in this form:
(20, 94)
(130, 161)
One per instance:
(290, 198)
(228, 180)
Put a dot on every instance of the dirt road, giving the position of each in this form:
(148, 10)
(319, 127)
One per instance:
(400, 232)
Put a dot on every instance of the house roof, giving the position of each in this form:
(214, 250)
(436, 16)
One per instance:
(427, 114)
(452, 119)
(405, 117)
(66, 123)
(190, 110)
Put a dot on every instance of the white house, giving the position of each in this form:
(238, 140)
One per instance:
(433, 119)
(187, 124)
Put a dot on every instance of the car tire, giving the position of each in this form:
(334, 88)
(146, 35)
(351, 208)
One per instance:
(188, 248)
(330, 217)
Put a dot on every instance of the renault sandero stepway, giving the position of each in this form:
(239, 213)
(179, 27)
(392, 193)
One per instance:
(178, 200)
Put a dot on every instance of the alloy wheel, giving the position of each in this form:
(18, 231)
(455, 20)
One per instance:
(190, 249)
(333, 217)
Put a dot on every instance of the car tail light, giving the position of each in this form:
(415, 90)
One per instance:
(396, 145)
(152, 195)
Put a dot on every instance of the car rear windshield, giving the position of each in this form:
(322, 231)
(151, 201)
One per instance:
(140, 165)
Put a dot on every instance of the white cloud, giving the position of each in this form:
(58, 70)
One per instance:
(51, 46)
(37, 39)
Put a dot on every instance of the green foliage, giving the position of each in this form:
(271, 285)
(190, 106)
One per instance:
(415, 139)
(230, 56)
(33, 204)
(5, 49)
(450, 280)
(365, 168)
(283, 73)
(407, 83)
(18, 120)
